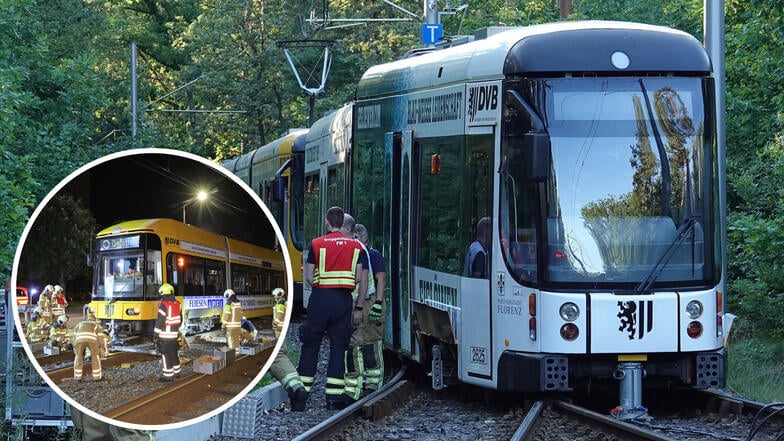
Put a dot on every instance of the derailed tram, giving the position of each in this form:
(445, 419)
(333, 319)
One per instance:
(591, 148)
(134, 258)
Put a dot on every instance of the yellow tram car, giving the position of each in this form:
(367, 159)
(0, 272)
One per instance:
(132, 259)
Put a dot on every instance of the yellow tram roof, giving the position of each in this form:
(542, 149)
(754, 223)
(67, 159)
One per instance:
(238, 250)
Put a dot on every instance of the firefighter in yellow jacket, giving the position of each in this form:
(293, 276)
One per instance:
(282, 368)
(37, 328)
(232, 318)
(45, 303)
(86, 337)
(59, 335)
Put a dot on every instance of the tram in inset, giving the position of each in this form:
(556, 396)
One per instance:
(132, 259)
(590, 148)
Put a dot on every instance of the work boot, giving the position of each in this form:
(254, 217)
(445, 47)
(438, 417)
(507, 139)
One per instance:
(298, 398)
(165, 379)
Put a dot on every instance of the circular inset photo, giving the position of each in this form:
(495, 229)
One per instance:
(151, 278)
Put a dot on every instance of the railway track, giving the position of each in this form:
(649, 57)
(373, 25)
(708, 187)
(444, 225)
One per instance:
(201, 393)
(373, 407)
(548, 420)
(64, 368)
(697, 416)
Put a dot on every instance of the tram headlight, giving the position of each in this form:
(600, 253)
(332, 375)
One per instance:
(694, 329)
(132, 311)
(569, 311)
(694, 309)
(569, 331)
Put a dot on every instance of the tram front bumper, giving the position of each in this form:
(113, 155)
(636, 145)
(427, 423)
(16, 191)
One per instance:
(523, 372)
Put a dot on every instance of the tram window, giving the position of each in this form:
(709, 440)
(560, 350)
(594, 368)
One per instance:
(446, 222)
(153, 275)
(254, 282)
(214, 276)
(336, 185)
(517, 207)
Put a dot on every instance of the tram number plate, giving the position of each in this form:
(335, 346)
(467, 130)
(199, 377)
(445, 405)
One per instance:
(109, 310)
(478, 355)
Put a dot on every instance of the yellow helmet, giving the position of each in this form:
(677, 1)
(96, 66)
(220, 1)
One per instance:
(278, 293)
(166, 289)
(228, 293)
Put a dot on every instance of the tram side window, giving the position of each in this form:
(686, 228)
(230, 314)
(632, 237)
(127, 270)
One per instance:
(276, 281)
(517, 210)
(448, 221)
(370, 175)
(215, 272)
(312, 213)
(195, 276)
(266, 281)
(296, 188)
(153, 273)
(245, 280)
(336, 185)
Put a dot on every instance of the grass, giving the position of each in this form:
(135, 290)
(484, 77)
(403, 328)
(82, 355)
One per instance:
(756, 369)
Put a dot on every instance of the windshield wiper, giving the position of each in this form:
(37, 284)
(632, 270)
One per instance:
(663, 158)
(683, 231)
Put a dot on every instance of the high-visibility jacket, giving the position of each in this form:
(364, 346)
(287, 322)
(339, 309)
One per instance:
(232, 315)
(278, 317)
(167, 325)
(371, 285)
(336, 258)
(59, 303)
(86, 331)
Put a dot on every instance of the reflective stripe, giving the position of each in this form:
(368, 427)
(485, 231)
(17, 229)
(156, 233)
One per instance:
(340, 271)
(292, 380)
(334, 386)
(336, 278)
(172, 315)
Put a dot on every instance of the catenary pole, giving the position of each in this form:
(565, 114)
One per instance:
(714, 31)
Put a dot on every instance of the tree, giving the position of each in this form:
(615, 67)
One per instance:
(56, 247)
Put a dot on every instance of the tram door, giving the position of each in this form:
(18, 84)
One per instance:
(399, 213)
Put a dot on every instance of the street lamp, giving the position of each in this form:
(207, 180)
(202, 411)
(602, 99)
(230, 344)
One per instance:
(201, 196)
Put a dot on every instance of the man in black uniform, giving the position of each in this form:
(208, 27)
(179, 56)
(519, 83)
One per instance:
(333, 268)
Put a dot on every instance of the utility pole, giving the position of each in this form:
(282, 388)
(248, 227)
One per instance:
(713, 31)
(133, 90)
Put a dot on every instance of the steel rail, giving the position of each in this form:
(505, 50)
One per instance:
(530, 423)
(323, 427)
(611, 422)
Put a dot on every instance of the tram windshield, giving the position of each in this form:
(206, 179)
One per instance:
(125, 272)
(629, 190)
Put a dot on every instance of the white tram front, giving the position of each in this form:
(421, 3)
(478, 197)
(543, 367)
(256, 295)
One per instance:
(591, 147)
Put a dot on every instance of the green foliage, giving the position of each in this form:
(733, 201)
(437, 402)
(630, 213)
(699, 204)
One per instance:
(755, 274)
(685, 15)
(56, 261)
(65, 94)
(16, 198)
(755, 368)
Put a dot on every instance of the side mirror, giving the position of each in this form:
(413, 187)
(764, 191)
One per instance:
(537, 155)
